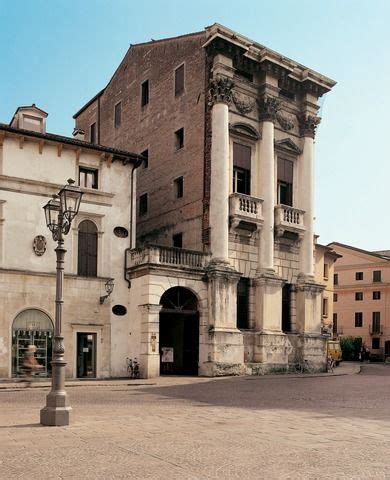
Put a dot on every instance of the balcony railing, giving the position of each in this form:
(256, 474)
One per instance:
(289, 218)
(376, 329)
(172, 256)
(244, 208)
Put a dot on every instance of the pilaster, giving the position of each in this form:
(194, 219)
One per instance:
(150, 340)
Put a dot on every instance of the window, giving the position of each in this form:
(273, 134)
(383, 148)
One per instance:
(376, 295)
(92, 133)
(376, 276)
(143, 204)
(177, 240)
(144, 93)
(118, 115)
(242, 168)
(243, 303)
(145, 154)
(335, 324)
(358, 319)
(179, 187)
(326, 270)
(285, 181)
(179, 80)
(336, 279)
(376, 322)
(286, 308)
(88, 177)
(324, 307)
(358, 295)
(359, 276)
(87, 249)
(179, 138)
(335, 297)
(376, 343)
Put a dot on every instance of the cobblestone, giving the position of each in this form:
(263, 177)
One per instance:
(279, 427)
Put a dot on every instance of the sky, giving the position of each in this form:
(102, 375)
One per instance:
(58, 54)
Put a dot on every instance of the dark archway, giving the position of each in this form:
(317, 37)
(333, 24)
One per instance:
(179, 332)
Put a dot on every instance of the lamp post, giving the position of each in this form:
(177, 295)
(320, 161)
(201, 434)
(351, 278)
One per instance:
(59, 213)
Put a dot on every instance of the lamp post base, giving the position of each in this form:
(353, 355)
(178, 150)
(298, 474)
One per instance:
(56, 412)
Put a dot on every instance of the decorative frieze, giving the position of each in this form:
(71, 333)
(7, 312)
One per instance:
(220, 90)
(308, 125)
(269, 107)
(243, 103)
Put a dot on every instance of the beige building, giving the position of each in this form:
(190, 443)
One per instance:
(362, 296)
(34, 165)
(223, 276)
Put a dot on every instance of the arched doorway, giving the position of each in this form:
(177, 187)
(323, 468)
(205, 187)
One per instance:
(179, 332)
(32, 327)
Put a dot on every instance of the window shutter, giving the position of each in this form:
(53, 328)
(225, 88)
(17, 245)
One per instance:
(241, 156)
(87, 249)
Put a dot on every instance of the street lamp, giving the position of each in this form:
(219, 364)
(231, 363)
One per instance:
(59, 213)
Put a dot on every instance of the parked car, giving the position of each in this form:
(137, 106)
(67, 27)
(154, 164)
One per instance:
(334, 351)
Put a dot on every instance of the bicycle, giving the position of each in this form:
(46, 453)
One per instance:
(132, 367)
(330, 364)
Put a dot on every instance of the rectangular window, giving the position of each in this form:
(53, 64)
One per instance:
(179, 80)
(177, 240)
(242, 168)
(179, 187)
(93, 133)
(324, 307)
(144, 93)
(358, 319)
(145, 154)
(286, 308)
(243, 303)
(179, 138)
(88, 177)
(376, 343)
(336, 279)
(285, 181)
(335, 324)
(326, 270)
(376, 322)
(358, 295)
(118, 115)
(143, 204)
(335, 297)
(377, 276)
(359, 276)
(376, 295)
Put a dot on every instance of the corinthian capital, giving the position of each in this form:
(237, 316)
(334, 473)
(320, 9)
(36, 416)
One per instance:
(220, 90)
(269, 107)
(308, 124)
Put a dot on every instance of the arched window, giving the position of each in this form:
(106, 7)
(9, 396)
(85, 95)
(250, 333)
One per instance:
(87, 249)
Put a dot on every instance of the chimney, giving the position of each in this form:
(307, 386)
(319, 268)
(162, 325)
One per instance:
(79, 134)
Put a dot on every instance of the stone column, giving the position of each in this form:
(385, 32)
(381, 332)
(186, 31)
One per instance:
(308, 126)
(220, 95)
(150, 341)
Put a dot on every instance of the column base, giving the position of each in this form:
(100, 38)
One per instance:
(149, 365)
(56, 412)
(309, 305)
(268, 301)
(272, 348)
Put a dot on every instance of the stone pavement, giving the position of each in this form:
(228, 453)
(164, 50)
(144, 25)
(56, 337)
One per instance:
(271, 427)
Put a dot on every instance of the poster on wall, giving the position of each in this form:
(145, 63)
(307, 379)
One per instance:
(167, 354)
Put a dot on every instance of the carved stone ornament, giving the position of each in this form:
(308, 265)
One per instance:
(286, 122)
(220, 90)
(269, 107)
(39, 245)
(308, 125)
(243, 103)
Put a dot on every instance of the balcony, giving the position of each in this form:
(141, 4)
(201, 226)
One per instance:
(245, 212)
(289, 219)
(376, 329)
(166, 256)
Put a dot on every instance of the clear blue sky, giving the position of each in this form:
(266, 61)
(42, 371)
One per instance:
(58, 54)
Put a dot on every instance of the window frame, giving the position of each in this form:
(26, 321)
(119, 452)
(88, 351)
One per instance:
(359, 276)
(179, 187)
(177, 92)
(89, 170)
(335, 279)
(359, 319)
(93, 129)
(179, 139)
(143, 204)
(89, 266)
(145, 154)
(118, 118)
(377, 276)
(358, 296)
(377, 296)
(177, 236)
(145, 93)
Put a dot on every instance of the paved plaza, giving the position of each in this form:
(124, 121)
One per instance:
(271, 427)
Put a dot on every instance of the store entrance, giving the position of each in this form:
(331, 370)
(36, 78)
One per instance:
(86, 355)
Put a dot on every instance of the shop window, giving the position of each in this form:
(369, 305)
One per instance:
(88, 177)
(87, 249)
(285, 181)
(241, 168)
(243, 303)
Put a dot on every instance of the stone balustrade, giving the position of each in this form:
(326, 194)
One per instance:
(289, 218)
(170, 256)
(245, 207)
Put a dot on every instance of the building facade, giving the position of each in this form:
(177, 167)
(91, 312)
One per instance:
(362, 297)
(223, 276)
(34, 165)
